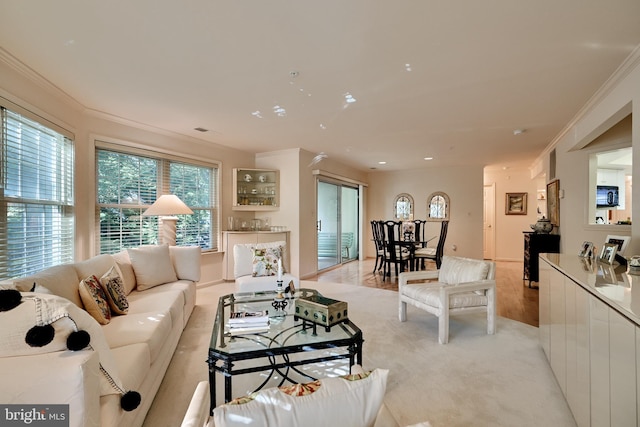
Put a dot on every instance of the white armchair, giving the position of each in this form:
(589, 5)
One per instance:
(243, 268)
(461, 285)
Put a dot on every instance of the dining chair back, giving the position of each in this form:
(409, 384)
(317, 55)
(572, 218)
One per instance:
(395, 254)
(434, 254)
(377, 230)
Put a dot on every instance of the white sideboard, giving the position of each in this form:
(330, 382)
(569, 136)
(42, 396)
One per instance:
(589, 320)
(231, 238)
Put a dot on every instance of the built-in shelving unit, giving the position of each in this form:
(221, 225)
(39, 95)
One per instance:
(256, 189)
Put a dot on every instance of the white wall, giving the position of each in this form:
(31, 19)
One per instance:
(463, 185)
(35, 94)
(508, 228)
(619, 97)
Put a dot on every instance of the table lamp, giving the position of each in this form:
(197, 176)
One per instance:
(166, 207)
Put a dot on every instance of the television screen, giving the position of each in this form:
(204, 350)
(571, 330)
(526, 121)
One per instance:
(606, 196)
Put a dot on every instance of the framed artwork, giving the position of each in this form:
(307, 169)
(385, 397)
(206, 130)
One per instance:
(608, 253)
(586, 250)
(621, 241)
(516, 204)
(553, 202)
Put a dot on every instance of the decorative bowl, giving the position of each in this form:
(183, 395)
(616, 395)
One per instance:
(543, 226)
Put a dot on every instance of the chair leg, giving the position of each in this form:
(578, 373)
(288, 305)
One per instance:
(491, 311)
(443, 325)
(402, 311)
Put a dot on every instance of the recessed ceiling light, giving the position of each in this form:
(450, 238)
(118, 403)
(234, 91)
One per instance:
(428, 158)
(201, 129)
(382, 163)
(518, 131)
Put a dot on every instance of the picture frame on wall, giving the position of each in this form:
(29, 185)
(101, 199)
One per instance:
(586, 250)
(553, 202)
(516, 204)
(608, 253)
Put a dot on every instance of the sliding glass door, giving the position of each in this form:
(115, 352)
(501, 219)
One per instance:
(337, 207)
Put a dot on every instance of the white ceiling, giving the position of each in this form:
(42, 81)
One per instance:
(449, 79)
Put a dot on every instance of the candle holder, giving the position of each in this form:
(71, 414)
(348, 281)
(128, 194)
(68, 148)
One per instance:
(279, 301)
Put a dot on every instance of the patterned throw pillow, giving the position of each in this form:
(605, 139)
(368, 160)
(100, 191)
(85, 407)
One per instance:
(115, 292)
(265, 261)
(95, 300)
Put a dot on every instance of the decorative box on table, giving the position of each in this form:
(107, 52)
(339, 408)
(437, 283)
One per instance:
(321, 310)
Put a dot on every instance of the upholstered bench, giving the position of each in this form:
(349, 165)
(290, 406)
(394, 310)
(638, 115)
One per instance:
(251, 276)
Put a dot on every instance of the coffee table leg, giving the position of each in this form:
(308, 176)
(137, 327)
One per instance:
(212, 385)
(227, 381)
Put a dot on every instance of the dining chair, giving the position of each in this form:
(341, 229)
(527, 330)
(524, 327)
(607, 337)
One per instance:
(377, 230)
(433, 254)
(395, 254)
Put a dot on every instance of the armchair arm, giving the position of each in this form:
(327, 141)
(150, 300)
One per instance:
(406, 276)
(480, 285)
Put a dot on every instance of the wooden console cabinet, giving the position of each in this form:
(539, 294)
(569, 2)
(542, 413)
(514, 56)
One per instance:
(535, 244)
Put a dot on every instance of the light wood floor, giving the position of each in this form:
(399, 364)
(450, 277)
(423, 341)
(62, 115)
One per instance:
(515, 299)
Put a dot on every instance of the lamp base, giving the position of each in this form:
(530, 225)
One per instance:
(168, 227)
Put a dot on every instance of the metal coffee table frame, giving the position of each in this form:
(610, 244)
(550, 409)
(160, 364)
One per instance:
(269, 347)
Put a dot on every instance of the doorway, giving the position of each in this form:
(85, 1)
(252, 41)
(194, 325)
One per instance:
(337, 223)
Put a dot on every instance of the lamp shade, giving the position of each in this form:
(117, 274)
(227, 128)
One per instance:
(166, 205)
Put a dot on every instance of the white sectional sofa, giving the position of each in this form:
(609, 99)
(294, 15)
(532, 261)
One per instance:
(160, 283)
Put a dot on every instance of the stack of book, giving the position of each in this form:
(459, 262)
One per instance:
(248, 322)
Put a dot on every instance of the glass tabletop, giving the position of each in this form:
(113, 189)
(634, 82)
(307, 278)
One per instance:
(284, 331)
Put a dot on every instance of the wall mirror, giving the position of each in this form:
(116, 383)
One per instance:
(438, 206)
(403, 206)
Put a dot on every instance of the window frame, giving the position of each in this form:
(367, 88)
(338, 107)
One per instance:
(40, 186)
(163, 183)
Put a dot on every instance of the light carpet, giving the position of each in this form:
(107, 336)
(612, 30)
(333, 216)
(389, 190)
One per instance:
(476, 379)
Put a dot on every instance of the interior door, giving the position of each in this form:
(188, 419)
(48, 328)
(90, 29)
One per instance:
(489, 220)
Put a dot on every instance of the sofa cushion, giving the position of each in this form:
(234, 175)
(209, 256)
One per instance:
(95, 300)
(151, 328)
(96, 266)
(343, 401)
(455, 270)
(114, 290)
(133, 363)
(126, 270)
(186, 262)
(152, 266)
(61, 280)
(154, 300)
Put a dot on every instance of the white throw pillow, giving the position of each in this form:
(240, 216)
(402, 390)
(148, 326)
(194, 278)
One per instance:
(65, 317)
(186, 262)
(152, 266)
(335, 401)
(456, 270)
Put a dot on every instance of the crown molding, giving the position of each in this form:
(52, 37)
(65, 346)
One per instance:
(29, 73)
(630, 63)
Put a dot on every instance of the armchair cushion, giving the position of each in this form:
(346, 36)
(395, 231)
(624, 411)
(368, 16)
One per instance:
(456, 270)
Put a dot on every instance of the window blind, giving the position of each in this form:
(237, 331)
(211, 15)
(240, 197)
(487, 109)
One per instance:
(129, 182)
(36, 197)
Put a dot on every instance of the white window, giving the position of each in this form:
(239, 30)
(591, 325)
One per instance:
(128, 182)
(36, 196)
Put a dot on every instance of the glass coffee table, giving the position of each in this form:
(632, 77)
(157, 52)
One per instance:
(289, 342)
